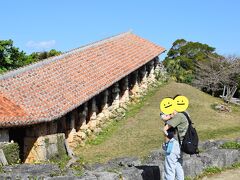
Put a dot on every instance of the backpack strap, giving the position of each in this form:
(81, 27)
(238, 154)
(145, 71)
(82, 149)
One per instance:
(188, 118)
(179, 139)
(189, 122)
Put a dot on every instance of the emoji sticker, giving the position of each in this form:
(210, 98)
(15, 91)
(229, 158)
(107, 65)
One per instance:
(180, 103)
(167, 106)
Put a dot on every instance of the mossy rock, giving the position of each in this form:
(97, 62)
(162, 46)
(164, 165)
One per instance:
(60, 145)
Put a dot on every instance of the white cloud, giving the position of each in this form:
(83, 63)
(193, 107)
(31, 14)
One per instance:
(41, 45)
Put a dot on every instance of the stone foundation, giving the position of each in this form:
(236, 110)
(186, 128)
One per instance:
(131, 167)
(44, 147)
(102, 107)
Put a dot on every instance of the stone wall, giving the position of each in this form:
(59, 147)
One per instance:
(131, 168)
(44, 147)
(151, 168)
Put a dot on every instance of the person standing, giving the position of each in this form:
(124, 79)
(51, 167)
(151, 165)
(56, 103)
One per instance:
(173, 160)
(174, 119)
(172, 163)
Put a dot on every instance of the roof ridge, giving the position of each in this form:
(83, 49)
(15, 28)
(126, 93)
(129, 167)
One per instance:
(98, 42)
(55, 58)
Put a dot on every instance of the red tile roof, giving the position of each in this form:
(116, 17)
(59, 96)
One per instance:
(9, 109)
(49, 89)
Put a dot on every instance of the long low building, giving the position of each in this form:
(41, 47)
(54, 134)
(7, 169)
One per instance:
(72, 92)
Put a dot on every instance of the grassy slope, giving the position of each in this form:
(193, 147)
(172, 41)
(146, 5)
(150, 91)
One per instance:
(138, 135)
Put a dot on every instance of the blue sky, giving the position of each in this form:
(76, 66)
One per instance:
(67, 24)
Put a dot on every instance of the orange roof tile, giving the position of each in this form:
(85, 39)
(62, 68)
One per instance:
(9, 109)
(49, 89)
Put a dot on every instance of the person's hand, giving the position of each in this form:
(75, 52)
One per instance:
(165, 117)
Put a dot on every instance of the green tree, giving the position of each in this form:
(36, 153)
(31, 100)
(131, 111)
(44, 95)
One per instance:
(38, 56)
(10, 56)
(182, 58)
(53, 52)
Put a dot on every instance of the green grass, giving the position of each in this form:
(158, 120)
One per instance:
(140, 132)
(231, 145)
(104, 134)
(223, 132)
(236, 165)
(61, 162)
(210, 171)
(132, 110)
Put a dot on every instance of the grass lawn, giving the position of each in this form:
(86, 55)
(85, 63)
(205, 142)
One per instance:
(140, 132)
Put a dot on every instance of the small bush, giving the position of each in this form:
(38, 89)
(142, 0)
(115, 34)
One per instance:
(231, 145)
(11, 151)
(61, 161)
(212, 170)
(236, 165)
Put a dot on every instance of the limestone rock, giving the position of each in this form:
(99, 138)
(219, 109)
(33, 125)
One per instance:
(63, 178)
(28, 170)
(81, 134)
(3, 160)
(192, 166)
(84, 127)
(106, 176)
(97, 130)
(211, 144)
(132, 173)
(44, 147)
(92, 124)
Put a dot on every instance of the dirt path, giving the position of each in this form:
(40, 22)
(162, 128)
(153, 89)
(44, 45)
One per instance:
(226, 175)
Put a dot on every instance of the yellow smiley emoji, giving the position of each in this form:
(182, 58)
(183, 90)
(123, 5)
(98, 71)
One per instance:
(181, 103)
(167, 106)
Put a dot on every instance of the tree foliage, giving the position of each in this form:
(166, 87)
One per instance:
(182, 58)
(11, 57)
(199, 65)
(38, 56)
(213, 75)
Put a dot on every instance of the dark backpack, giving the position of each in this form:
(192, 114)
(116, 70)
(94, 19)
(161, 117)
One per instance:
(190, 141)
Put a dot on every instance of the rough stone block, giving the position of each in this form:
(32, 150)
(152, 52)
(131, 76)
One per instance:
(26, 171)
(44, 147)
(3, 160)
(222, 157)
(92, 124)
(192, 166)
(132, 173)
(106, 175)
(82, 135)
